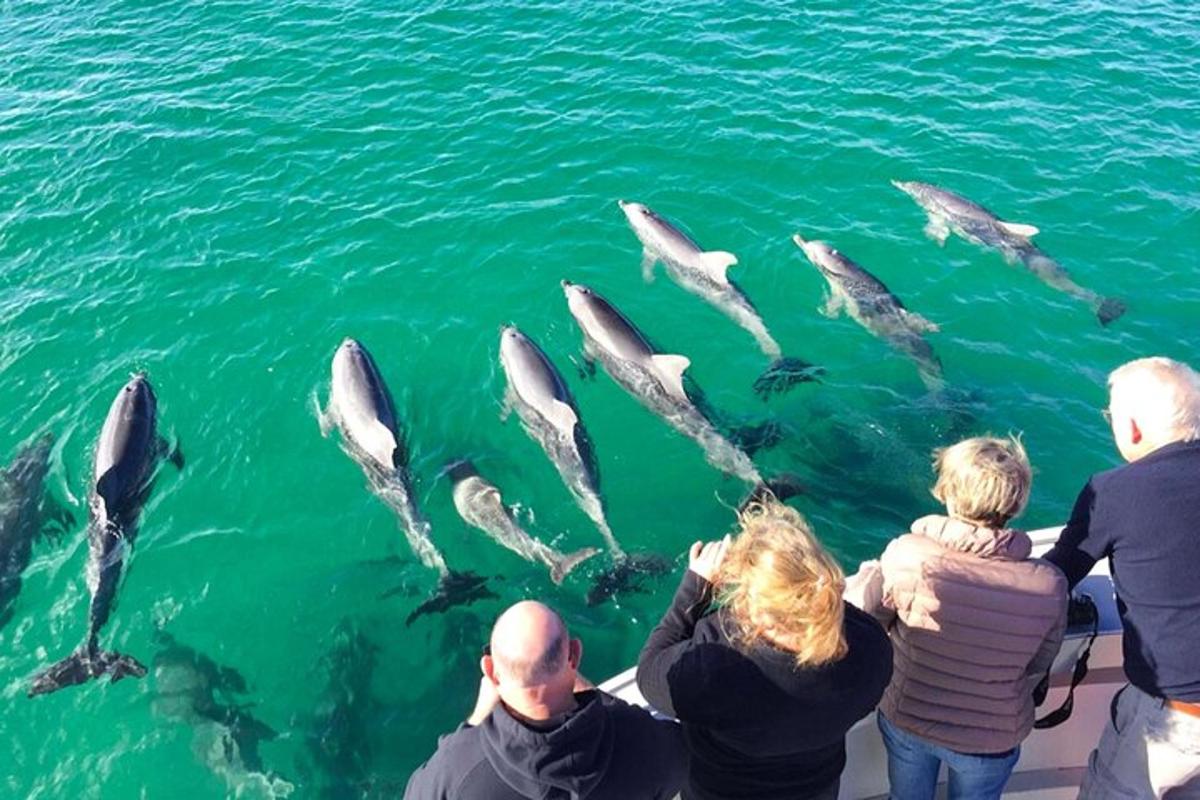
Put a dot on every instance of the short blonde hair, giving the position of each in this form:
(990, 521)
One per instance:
(777, 578)
(1162, 394)
(985, 479)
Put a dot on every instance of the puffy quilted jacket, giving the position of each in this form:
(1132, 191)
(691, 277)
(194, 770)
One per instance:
(974, 623)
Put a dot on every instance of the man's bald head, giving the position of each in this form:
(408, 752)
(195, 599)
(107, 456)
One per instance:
(529, 644)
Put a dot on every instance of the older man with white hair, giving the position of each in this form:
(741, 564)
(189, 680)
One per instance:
(1145, 518)
(540, 730)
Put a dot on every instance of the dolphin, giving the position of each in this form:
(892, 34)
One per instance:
(193, 689)
(340, 728)
(704, 274)
(361, 407)
(949, 212)
(868, 301)
(479, 504)
(25, 511)
(126, 459)
(538, 393)
(654, 378)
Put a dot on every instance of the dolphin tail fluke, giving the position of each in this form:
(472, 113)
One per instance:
(454, 589)
(1110, 309)
(752, 438)
(783, 374)
(84, 665)
(560, 567)
(780, 488)
(626, 575)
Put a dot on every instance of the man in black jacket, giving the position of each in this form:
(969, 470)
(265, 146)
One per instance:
(540, 730)
(1144, 517)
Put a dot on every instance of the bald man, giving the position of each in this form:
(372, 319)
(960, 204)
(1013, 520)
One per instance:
(1144, 517)
(540, 730)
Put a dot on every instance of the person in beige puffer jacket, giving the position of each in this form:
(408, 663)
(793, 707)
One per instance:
(975, 624)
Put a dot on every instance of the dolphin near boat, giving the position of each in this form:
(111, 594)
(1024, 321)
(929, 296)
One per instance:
(361, 407)
(655, 379)
(191, 688)
(480, 504)
(951, 213)
(26, 513)
(537, 392)
(704, 274)
(126, 459)
(870, 303)
(339, 731)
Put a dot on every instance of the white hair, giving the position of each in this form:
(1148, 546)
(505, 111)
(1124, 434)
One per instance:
(1162, 395)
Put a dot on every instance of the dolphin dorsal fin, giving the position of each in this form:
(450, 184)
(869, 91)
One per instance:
(715, 262)
(385, 452)
(563, 417)
(917, 323)
(1019, 229)
(670, 370)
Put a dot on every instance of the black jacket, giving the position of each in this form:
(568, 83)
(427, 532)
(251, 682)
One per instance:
(1144, 518)
(604, 750)
(756, 726)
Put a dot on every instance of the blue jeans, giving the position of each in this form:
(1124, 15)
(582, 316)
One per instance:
(913, 765)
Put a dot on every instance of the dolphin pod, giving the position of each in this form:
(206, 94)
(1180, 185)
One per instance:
(129, 449)
(951, 213)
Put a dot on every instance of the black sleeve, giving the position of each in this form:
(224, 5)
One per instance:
(671, 639)
(1082, 542)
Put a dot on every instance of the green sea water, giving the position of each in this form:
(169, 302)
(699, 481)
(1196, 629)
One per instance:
(219, 192)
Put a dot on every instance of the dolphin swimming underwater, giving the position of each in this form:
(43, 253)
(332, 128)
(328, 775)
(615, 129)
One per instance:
(869, 302)
(191, 688)
(537, 392)
(361, 407)
(655, 379)
(25, 510)
(949, 212)
(479, 504)
(703, 273)
(126, 458)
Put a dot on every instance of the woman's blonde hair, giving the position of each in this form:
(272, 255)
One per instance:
(985, 479)
(778, 585)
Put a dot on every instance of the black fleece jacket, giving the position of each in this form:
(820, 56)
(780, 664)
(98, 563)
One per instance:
(604, 750)
(757, 726)
(1144, 517)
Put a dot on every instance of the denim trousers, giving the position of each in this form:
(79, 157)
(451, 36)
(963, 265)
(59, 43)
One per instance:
(1147, 750)
(913, 765)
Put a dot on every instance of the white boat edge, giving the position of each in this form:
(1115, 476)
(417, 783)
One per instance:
(1052, 761)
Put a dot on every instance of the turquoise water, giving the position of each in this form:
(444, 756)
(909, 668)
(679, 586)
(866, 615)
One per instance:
(218, 192)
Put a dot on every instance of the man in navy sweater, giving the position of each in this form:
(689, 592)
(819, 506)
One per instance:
(542, 732)
(1145, 518)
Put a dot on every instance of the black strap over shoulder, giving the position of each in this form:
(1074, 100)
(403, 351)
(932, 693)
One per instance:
(1081, 611)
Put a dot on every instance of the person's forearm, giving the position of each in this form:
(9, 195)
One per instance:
(689, 604)
(670, 638)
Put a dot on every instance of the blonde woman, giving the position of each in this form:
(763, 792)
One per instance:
(767, 685)
(975, 626)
